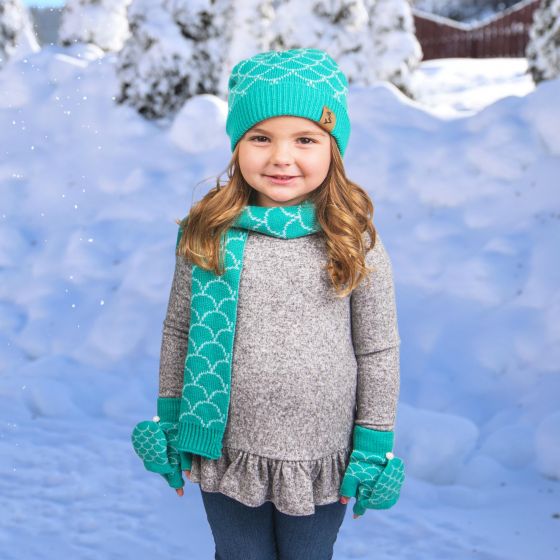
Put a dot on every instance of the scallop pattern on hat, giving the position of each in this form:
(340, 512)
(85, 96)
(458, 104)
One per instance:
(311, 66)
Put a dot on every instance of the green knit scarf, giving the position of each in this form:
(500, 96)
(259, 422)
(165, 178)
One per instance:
(203, 408)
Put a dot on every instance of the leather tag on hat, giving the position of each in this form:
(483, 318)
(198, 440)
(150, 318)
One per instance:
(328, 119)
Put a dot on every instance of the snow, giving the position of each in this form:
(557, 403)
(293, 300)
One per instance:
(17, 37)
(103, 22)
(546, 440)
(475, 12)
(462, 86)
(462, 179)
(196, 127)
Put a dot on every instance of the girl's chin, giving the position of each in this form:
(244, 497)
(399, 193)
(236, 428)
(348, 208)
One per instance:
(277, 199)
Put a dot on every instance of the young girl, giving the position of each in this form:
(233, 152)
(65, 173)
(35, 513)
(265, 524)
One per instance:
(279, 371)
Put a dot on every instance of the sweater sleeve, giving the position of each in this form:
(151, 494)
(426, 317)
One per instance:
(175, 331)
(376, 342)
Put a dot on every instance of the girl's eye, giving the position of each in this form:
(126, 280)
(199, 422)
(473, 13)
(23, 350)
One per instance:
(311, 141)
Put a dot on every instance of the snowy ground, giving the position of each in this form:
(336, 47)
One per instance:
(463, 182)
(462, 86)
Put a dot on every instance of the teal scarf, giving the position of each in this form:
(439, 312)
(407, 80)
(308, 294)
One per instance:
(204, 404)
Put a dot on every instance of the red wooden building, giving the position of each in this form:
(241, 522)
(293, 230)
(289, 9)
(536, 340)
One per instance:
(504, 35)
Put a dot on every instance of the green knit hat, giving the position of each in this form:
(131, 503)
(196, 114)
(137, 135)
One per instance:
(299, 82)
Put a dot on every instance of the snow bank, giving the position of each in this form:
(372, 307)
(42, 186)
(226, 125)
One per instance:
(469, 212)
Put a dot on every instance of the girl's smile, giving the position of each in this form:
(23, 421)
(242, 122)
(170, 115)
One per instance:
(281, 179)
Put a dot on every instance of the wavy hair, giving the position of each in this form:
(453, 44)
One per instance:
(343, 209)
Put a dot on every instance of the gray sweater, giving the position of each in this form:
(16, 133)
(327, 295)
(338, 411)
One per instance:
(306, 366)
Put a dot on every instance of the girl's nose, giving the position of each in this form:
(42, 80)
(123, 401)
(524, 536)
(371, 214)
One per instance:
(281, 154)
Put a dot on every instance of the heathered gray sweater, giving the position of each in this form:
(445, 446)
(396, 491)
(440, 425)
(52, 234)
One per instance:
(306, 366)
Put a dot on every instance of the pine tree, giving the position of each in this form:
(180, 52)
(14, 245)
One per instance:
(335, 26)
(176, 50)
(543, 49)
(394, 52)
(101, 22)
(250, 27)
(208, 24)
(370, 39)
(17, 37)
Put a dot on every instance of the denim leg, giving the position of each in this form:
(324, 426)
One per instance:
(309, 537)
(240, 532)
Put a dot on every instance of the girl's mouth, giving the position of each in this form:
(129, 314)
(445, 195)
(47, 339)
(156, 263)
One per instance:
(281, 179)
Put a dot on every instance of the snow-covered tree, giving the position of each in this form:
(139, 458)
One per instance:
(176, 50)
(369, 39)
(393, 50)
(335, 26)
(100, 22)
(543, 49)
(208, 24)
(17, 37)
(251, 34)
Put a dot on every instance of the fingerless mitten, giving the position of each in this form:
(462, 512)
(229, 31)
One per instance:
(374, 476)
(154, 441)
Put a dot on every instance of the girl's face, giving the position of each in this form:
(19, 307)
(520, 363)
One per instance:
(284, 146)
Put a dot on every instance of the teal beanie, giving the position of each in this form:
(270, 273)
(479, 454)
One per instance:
(299, 82)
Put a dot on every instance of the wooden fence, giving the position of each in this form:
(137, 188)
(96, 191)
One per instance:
(504, 35)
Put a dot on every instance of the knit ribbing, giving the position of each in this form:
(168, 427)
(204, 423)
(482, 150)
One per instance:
(207, 374)
(373, 441)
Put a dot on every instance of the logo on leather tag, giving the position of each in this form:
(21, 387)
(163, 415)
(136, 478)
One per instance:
(328, 119)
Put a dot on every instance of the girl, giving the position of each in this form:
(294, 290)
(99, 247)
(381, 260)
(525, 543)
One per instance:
(279, 371)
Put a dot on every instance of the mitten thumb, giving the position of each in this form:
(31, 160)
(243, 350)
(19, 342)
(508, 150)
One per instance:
(358, 508)
(364, 493)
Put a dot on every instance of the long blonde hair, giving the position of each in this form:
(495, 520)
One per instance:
(343, 209)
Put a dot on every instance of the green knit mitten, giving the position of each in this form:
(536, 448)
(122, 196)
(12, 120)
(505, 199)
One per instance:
(155, 443)
(374, 476)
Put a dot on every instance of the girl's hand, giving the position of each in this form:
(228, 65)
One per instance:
(180, 491)
(345, 500)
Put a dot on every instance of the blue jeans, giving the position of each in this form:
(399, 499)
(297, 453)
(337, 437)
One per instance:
(263, 533)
